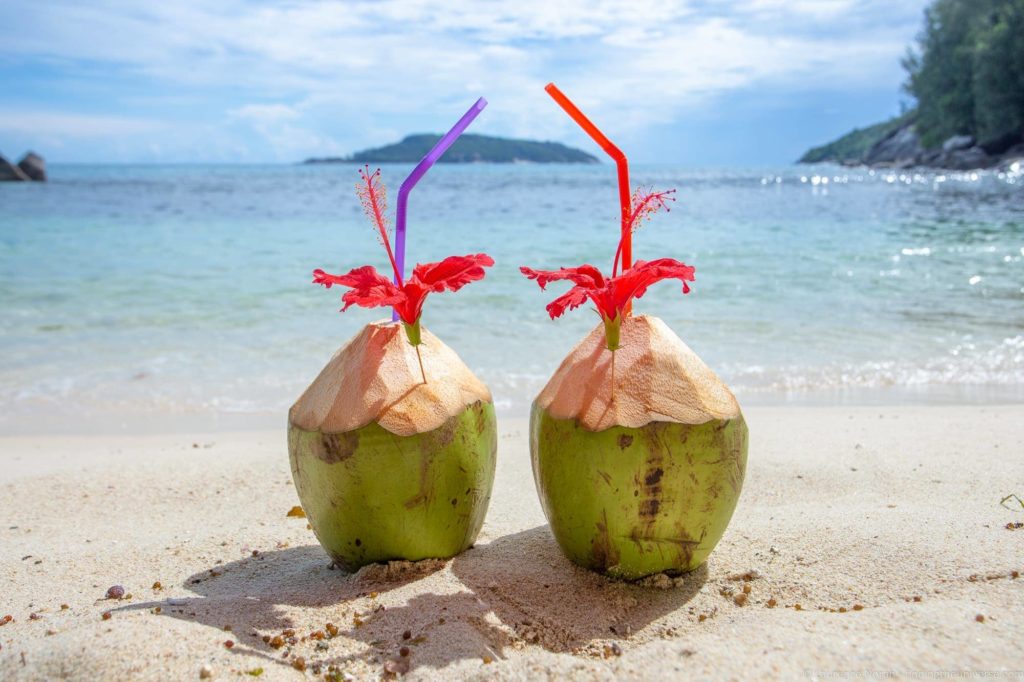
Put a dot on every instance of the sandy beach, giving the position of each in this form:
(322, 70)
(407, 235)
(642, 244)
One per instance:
(867, 539)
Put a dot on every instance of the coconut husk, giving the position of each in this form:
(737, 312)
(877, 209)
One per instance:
(657, 378)
(375, 377)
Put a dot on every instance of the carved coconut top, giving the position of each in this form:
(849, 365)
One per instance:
(375, 377)
(657, 378)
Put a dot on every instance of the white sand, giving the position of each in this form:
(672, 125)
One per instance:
(893, 509)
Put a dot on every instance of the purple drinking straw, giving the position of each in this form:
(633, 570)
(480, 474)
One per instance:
(418, 172)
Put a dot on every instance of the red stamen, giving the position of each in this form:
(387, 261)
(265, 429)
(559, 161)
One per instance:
(645, 204)
(374, 200)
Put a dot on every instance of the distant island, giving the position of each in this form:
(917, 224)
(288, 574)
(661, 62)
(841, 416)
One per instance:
(468, 148)
(967, 79)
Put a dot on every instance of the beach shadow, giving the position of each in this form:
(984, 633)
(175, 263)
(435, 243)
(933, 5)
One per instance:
(247, 596)
(519, 591)
(547, 600)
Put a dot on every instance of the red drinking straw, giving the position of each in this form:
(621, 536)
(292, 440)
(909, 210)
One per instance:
(620, 162)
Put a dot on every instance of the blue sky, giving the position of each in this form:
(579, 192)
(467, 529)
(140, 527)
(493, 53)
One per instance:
(707, 82)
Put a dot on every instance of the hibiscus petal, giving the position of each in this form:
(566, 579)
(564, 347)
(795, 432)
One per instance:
(414, 293)
(369, 288)
(570, 300)
(634, 282)
(670, 268)
(586, 276)
(321, 277)
(453, 273)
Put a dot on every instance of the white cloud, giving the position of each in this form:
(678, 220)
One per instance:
(817, 9)
(356, 69)
(265, 113)
(274, 123)
(46, 123)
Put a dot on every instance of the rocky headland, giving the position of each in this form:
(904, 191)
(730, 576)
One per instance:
(32, 167)
(896, 144)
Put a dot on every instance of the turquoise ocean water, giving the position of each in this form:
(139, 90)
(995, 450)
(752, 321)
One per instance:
(132, 293)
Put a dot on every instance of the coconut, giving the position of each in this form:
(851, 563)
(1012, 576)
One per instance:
(385, 465)
(638, 454)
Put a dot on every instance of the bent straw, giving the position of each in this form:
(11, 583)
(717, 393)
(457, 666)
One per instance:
(621, 164)
(418, 172)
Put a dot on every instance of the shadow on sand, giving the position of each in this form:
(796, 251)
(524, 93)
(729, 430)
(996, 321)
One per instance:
(519, 590)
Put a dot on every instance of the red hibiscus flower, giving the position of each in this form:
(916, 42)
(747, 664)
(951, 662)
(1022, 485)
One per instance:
(611, 296)
(370, 289)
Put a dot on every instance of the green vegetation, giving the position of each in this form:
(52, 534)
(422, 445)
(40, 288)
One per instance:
(468, 148)
(968, 74)
(854, 145)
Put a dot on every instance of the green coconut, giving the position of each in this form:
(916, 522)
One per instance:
(638, 461)
(388, 466)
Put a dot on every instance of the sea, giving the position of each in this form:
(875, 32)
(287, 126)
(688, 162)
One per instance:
(140, 297)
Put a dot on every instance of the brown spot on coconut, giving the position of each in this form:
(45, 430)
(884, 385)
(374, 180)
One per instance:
(377, 454)
(665, 499)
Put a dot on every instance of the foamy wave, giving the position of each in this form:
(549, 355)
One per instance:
(964, 365)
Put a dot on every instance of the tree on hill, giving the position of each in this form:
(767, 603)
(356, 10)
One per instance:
(967, 74)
